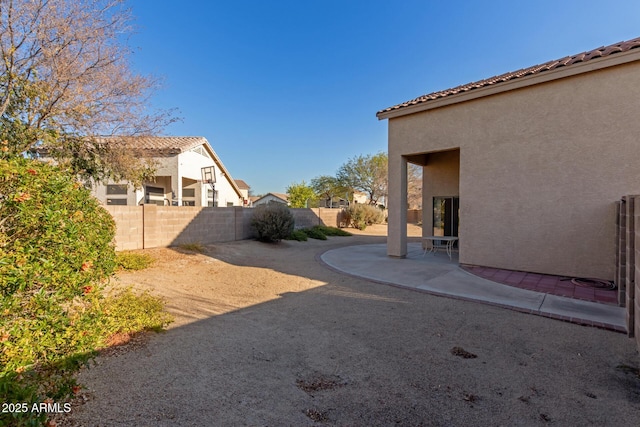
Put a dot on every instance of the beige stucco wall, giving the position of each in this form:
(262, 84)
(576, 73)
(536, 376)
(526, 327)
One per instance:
(540, 170)
(440, 178)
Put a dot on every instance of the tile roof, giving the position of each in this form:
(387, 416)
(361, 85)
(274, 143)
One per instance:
(163, 145)
(567, 61)
(282, 196)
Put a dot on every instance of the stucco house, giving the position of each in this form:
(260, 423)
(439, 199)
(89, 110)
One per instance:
(340, 202)
(271, 197)
(178, 180)
(525, 167)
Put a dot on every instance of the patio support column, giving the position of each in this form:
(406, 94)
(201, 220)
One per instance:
(397, 222)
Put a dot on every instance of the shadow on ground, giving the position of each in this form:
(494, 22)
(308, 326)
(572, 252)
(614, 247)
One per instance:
(341, 350)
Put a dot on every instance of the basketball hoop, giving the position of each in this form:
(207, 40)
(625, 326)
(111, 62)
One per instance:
(209, 174)
(209, 177)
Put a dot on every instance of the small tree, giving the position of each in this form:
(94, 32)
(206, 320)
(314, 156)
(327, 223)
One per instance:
(414, 186)
(300, 195)
(65, 81)
(367, 174)
(328, 187)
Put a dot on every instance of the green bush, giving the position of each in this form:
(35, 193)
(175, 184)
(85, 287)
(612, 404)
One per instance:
(332, 231)
(56, 255)
(133, 260)
(298, 235)
(43, 348)
(54, 237)
(129, 312)
(360, 215)
(272, 222)
(314, 233)
(319, 232)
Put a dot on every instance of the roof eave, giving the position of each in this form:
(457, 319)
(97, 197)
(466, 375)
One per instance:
(518, 83)
(221, 166)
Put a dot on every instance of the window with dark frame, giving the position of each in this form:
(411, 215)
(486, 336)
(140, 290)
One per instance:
(120, 193)
(117, 189)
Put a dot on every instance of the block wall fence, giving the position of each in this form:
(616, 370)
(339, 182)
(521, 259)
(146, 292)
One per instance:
(414, 216)
(627, 274)
(151, 226)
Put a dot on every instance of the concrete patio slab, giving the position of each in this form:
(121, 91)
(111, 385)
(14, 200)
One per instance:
(439, 275)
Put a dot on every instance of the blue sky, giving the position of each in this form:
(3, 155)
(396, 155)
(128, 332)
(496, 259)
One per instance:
(288, 90)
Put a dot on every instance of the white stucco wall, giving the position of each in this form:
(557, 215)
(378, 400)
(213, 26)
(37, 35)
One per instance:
(173, 173)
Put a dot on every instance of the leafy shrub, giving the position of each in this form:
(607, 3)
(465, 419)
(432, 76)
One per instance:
(360, 215)
(332, 231)
(133, 260)
(298, 235)
(54, 237)
(129, 312)
(272, 222)
(43, 348)
(319, 232)
(314, 233)
(56, 255)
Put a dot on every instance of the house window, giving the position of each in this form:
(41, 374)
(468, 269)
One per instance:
(210, 199)
(118, 193)
(188, 197)
(154, 196)
(117, 189)
(116, 202)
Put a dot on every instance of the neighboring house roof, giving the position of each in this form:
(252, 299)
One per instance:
(163, 145)
(572, 61)
(242, 185)
(283, 197)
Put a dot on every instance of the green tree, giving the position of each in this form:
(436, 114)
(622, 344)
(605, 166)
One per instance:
(328, 187)
(367, 174)
(65, 82)
(300, 195)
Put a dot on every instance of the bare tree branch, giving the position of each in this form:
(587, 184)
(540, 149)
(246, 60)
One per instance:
(65, 81)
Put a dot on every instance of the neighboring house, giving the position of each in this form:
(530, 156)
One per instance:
(272, 197)
(334, 202)
(525, 167)
(244, 190)
(178, 180)
(339, 202)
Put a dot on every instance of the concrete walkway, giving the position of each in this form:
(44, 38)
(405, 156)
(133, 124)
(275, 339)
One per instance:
(438, 275)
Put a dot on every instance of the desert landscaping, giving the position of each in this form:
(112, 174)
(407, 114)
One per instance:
(264, 334)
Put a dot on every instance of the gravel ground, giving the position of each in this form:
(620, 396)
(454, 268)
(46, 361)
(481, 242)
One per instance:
(267, 336)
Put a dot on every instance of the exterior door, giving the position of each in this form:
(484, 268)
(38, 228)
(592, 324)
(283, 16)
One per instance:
(446, 216)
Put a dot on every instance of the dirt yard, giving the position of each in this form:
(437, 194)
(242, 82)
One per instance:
(267, 335)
